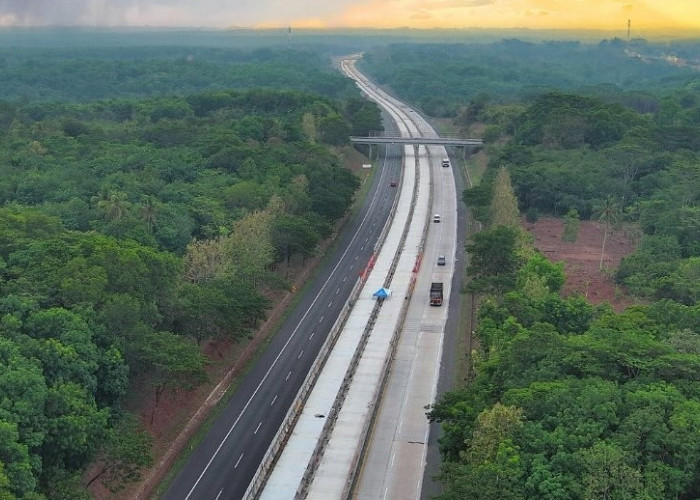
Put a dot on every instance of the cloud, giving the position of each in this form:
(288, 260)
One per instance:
(457, 4)
(165, 12)
(604, 14)
(33, 12)
(536, 13)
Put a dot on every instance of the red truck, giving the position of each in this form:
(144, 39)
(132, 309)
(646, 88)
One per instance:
(436, 294)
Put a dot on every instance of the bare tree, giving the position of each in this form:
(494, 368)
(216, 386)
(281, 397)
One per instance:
(609, 214)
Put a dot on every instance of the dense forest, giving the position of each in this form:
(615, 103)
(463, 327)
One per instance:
(145, 203)
(442, 78)
(148, 193)
(82, 74)
(568, 400)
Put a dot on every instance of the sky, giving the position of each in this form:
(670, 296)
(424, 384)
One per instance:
(534, 14)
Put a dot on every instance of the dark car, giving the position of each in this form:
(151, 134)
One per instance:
(392, 183)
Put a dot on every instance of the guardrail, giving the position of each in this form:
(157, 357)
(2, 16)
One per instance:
(362, 447)
(357, 355)
(290, 419)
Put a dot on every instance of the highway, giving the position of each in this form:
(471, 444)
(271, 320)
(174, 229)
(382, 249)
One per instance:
(223, 464)
(400, 453)
(395, 456)
(322, 451)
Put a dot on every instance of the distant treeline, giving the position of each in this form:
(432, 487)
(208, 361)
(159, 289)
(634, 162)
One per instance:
(442, 78)
(81, 74)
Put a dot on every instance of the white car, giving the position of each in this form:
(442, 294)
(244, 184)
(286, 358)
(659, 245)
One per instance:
(436, 218)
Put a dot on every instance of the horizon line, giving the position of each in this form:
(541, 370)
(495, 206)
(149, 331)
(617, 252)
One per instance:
(327, 28)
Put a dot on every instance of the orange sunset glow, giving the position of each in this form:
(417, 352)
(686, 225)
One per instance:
(671, 16)
(535, 14)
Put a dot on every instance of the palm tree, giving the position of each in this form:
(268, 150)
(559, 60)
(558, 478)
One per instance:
(609, 214)
(149, 209)
(115, 206)
(103, 195)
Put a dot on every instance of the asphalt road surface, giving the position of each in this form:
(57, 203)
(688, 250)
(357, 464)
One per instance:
(223, 464)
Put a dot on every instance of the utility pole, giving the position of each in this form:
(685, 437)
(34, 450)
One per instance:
(629, 23)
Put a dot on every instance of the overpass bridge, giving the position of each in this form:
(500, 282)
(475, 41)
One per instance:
(388, 138)
(416, 141)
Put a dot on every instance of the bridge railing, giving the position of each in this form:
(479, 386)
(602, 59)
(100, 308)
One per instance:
(398, 139)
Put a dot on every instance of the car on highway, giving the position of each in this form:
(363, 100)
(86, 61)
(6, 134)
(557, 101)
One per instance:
(441, 260)
(445, 162)
(436, 218)
(393, 183)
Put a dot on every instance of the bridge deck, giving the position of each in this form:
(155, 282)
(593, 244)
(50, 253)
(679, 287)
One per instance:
(433, 141)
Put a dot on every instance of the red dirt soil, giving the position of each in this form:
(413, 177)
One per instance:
(582, 259)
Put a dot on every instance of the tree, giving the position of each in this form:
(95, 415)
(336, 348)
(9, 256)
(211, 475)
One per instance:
(250, 246)
(308, 127)
(74, 426)
(171, 361)
(5, 493)
(23, 393)
(246, 194)
(493, 260)
(492, 467)
(334, 130)
(82, 282)
(627, 160)
(504, 205)
(64, 484)
(572, 223)
(607, 474)
(15, 463)
(206, 259)
(493, 426)
(125, 453)
(609, 214)
(540, 267)
(115, 206)
(149, 211)
(293, 235)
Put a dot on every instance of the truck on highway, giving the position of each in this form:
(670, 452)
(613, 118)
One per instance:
(436, 294)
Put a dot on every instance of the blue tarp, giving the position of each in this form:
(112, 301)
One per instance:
(382, 293)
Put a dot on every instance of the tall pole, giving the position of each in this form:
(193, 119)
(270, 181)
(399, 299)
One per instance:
(629, 23)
